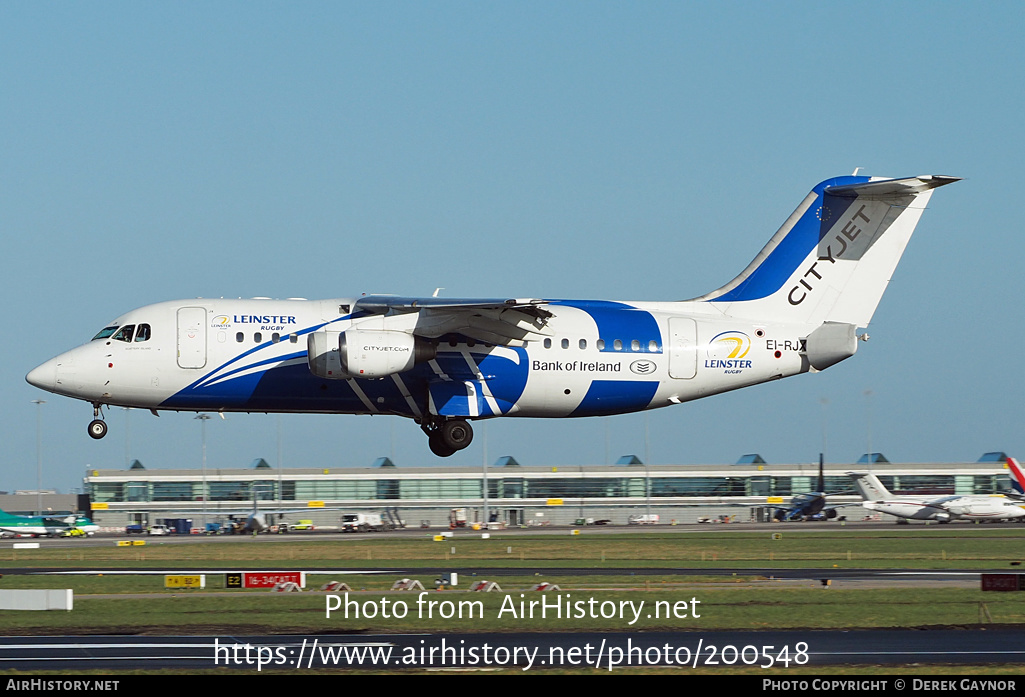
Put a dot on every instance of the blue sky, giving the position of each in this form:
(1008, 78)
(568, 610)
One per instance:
(580, 150)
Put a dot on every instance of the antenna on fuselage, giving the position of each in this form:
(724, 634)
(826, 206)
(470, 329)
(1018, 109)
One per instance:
(436, 291)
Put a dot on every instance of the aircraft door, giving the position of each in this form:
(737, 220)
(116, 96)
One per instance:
(191, 337)
(683, 348)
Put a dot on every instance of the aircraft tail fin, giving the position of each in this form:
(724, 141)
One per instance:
(1017, 476)
(869, 486)
(834, 256)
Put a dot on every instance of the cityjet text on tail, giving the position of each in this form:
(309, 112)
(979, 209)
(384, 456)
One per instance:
(444, 362)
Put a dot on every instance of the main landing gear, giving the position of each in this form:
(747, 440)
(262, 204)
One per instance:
(97, 427)
(445, 437)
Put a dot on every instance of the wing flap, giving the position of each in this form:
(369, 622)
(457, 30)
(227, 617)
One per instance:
(503, 322)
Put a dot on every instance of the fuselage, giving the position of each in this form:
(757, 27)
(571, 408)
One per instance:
(443, 362)
(594, 358)
(42, 525)
(948, 508)
(803, 506)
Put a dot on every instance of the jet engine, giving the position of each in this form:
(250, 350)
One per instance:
(363, 353)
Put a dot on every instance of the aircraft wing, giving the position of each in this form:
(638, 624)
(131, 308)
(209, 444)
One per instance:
(66, 521)
(505, 322)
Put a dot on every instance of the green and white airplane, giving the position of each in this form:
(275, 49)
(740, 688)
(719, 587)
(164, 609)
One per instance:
(44, 525)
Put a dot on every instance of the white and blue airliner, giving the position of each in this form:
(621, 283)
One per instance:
(442, 362)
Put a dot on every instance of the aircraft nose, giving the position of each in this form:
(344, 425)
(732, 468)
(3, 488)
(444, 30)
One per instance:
(44, 377)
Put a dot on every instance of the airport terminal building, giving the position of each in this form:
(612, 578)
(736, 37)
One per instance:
(516, 494)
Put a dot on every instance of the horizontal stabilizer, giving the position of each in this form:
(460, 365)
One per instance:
(891, 188)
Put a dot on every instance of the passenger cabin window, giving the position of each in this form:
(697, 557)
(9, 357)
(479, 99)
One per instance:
(143, 334)
(565, 343)
(548, 343)
(125, 333)
(635, 345)
(257, 337)
(617, 344)
(294, 338)
(275, 337)
(600, 344)
(583, 343)
(653, 346)
(240, 337)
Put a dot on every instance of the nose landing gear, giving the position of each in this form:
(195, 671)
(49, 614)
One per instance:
(446, 437)
(97, 427)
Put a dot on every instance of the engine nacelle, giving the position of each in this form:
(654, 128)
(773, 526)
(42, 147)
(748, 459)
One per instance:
(365, 353)
(323, 357)
(376, 353)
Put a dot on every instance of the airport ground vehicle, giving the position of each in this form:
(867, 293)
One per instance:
(159, 530)
(643, 519)
(363, 522)
(457, 518)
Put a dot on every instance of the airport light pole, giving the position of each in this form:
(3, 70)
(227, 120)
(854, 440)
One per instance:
(868, 409)
(203, 418)
(647, 469)
(484, 471)
(39, 454)
(128, 441)
(825, 412)
(281, 493)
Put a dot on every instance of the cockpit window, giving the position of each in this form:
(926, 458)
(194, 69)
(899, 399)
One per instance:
(125, 333)
(105, 332)
(143, 333)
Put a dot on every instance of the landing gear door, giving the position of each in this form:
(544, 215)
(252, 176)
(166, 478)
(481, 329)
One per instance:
(192, 337)
(683, 348)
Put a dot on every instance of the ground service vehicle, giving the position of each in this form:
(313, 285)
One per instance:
(363, 522)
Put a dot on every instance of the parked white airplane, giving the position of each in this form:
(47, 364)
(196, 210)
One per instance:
(942, 509)
(444, 362)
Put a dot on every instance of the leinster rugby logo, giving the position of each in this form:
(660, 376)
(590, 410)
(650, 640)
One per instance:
(220, 321)
(727, 351)
(643, 367)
